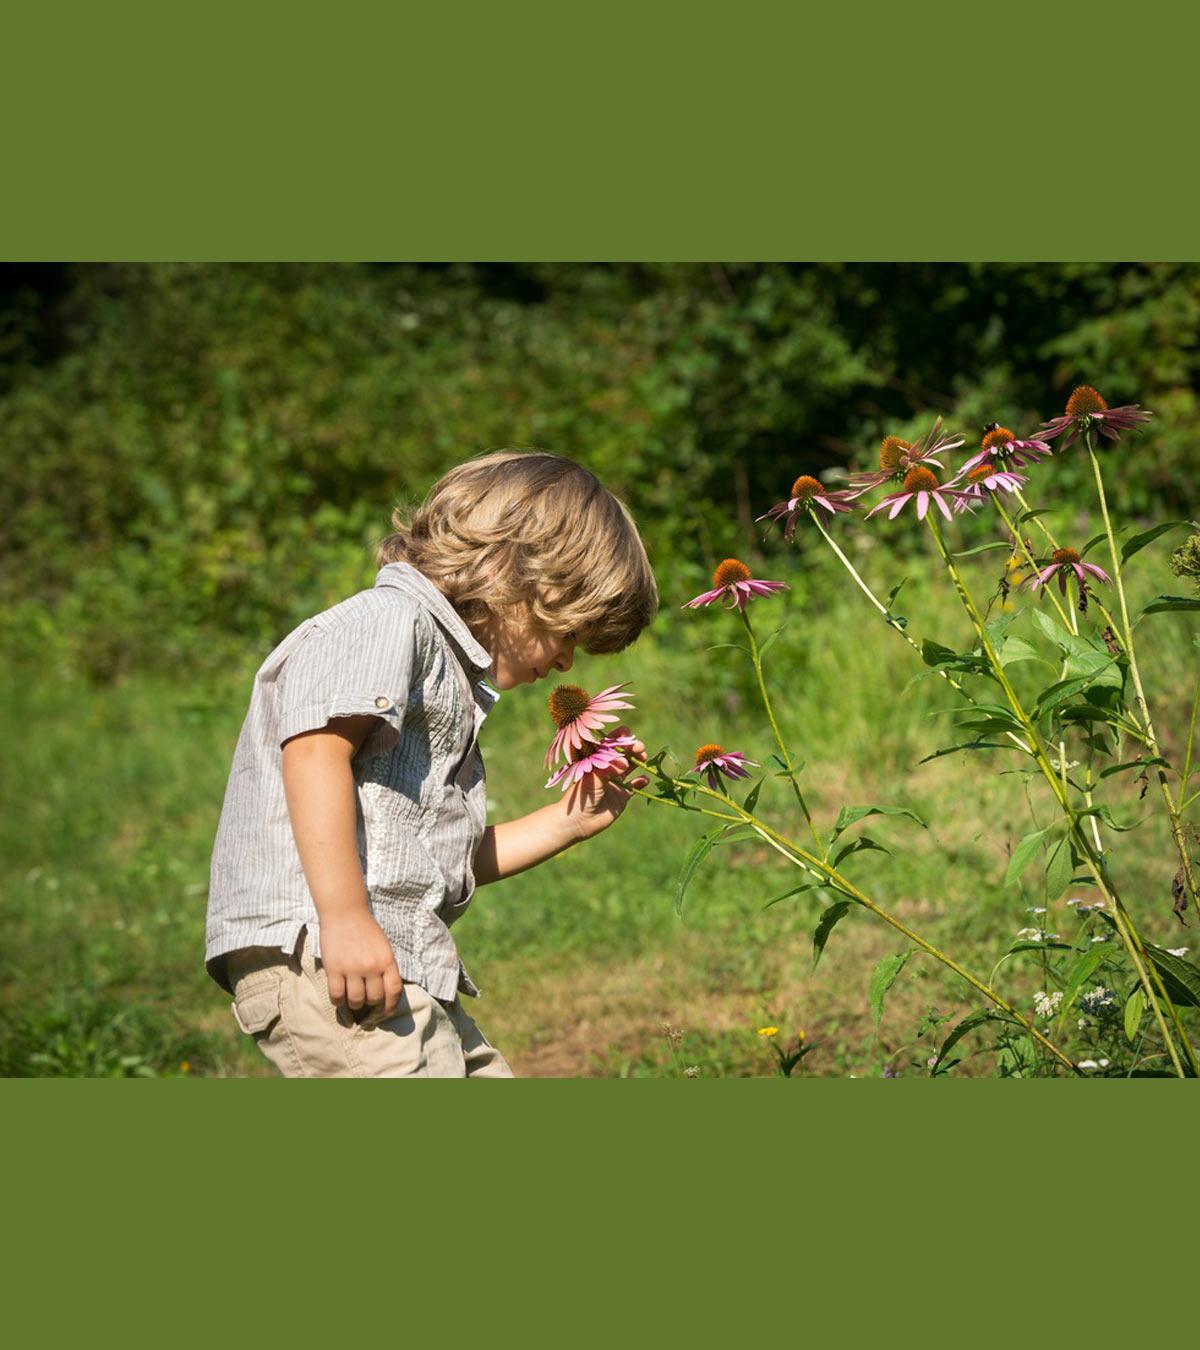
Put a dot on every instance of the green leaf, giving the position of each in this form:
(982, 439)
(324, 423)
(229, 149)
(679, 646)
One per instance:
(1105, 814)
(1084, 968)
(850, 814)
(1135, 1005)
(796, 890)
(895, 591)
(1017, 649)
(859, 845)
(1022, 855)
(1091, 543)
(699, 852)
(752, 796)
(968, 745)
(1059, 870)
(983, 548)
(825, 925)
(1030, 515)
(1139, 541)
(968, 1023)
(1161, 604)
(1051, 697)
(1132, 764)
(883, 979)
(1181, 978)
(762, 650)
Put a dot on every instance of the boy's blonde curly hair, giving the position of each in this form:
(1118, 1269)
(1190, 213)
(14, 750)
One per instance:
(534, 530)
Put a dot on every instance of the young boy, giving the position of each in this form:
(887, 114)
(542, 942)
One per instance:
(352, 833)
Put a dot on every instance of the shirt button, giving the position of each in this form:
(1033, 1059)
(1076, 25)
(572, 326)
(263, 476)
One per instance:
(382, 702)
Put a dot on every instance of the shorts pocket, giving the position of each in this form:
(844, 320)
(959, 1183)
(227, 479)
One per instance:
(256, 1006)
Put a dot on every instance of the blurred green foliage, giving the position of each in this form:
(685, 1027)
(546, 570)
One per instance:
(195, 457)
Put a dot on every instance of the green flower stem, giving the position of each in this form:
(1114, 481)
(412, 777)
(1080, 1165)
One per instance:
(1067, 616)
(1177, 830)
(891, 623)
(796, 854)
(1187, 761)
(1124, 923)
(756, 657)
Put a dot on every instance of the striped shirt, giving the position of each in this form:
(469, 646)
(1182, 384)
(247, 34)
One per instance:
(398, 651)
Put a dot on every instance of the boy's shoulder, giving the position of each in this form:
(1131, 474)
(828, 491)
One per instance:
(377, 609)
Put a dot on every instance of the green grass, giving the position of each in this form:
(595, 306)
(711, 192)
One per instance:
(111, 797)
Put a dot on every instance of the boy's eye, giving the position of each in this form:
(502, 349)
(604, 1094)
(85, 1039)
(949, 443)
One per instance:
(572, 635)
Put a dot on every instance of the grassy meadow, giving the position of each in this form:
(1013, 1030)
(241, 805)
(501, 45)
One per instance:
(112, 791)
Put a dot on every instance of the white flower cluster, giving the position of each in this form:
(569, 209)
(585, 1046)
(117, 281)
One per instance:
(1096, 1000)
(1092, 1064)
(1035, 935)
(1178, 951)
(1083, 907)
(1046, 1005)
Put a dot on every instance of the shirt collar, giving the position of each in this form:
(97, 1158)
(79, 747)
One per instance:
(404, 577)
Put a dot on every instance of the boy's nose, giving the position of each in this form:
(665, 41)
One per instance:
(566, 659)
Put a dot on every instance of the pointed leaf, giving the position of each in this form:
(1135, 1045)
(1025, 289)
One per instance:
(968, 1023)
(825, 925)
(883, 979)
(1059, 870)
(1135, 1005)
(850, 814)
(1084, 968)
(699, 852)
(1139, 541)
(1182, 978)
(1022, 855)
(863, 842)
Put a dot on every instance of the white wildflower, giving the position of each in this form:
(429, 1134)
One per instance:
(1178, 951)
(1046, 1005)
(1092, 1064)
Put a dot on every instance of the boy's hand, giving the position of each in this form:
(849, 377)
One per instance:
(360, 966)
(593, 804)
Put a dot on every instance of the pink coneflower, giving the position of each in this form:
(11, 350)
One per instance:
(605, 754)
(1086, 409)
(1063, 561)
(999, 444)
(921, 483)
(897, 457)
(579, 717)
(712, 761)
(808, 494)
(982, 479)
(733, 584)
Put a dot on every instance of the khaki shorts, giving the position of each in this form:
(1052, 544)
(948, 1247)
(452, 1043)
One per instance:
(283, 1002)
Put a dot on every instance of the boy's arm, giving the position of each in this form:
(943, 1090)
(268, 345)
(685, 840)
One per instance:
(319, 784)
(588, 808)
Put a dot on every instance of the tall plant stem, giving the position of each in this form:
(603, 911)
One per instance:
(1187, 759)
(801, 857)
(1067, 616)
(892, 623)
(1124, 923)
(756, 657)
(1177, 831)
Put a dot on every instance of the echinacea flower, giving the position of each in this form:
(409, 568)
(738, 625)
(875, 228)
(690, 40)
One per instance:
(921, 483)
(589, 758)
(1086, 409)
(897, 457)
(1000, 445)
(985, 477)
(733, 584)
(808, 494)
(712, 761)
(579, 717)
(1063, 561)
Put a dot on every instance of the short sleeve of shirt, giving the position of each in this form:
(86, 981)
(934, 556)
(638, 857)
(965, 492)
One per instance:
(364, 665)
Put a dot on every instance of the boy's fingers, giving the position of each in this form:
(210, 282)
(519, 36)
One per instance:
(374, 989)
(640, 782)
(354, 991)
(337, 988)
(393, 987)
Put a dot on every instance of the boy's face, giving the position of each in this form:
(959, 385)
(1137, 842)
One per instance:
(523, 653)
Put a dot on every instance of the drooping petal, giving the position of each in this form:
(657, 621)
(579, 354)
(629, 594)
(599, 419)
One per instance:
(941, 504)
(922, 504)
